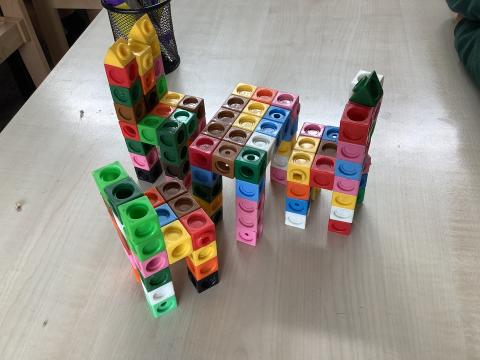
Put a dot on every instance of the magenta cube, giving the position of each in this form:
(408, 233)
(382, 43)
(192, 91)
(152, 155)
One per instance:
(278, 175)
(287, 101)
(145, 162)
(346, 186)
(152, 265)
(351, 152)
(312, 130)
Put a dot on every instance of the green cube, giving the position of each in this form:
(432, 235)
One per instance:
(173, 155)
(163, 307)
(188, 118)
(122, 192)
(126, 96)
(161, 86)
(368, 91)
(147, 247)
(138, 147)
(360, 196)
(148, 129)
(156, 280)
(107, 175)
(172, 133)
(251, 164)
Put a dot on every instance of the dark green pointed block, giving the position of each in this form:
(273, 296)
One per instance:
(127, 96)
(368, 91)
(250, 164)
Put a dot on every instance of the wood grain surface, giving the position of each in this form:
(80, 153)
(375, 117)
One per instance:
(404, 285)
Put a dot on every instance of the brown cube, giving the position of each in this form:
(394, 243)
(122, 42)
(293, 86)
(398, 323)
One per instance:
(327, 148)
(235, 102)
(237, 136)
(225, 116)
(223, 159)
(170, 189)
(193, 104)
(183, 205)
(216, 129)
(131, 115)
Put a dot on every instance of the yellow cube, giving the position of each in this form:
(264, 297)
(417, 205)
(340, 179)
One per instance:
(156, 49)
(308, 144)
(246, 122)
(143, 54)
(177, 241)
(345, 201)
(255, 108)
(172, 98)
(245, 90)
(143, 31)
(119, 54)
(202, 255)
(284, 148)
(299, 166)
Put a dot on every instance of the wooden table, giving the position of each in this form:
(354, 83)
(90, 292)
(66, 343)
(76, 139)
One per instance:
(404, 285)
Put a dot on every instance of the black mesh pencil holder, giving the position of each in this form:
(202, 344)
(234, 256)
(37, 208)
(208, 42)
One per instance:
(159, 11)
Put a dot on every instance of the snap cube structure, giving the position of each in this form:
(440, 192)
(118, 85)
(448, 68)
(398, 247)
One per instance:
(157, 124)
(336, 159)
(157, 228)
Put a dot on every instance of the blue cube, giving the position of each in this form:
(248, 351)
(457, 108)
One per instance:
(165, 215)
(363, 180)
(270, 128)
(249, 191)
(330, 133)
(348, 170)
(297, 206)
(203, 177)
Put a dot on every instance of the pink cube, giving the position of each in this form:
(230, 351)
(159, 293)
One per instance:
(145, 162)
(366, 164)
(152, 265)
(246, 236)
(351, 152)
(287, 101)
(346, 186)
(278, 175)
(248, 208)
(312, 130)
(158, 66)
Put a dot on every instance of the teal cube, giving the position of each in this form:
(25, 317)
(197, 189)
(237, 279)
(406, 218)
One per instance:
(188, 118)
(251, 164)
(107, 175)
(127, 96)
(122, 192)
(148, 129)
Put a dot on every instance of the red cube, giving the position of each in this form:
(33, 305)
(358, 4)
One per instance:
(200, 228)
(163, 110)
(154, 196)
(322, 172)
(355, 123)
(264, 95)
(129, 131)
(201, 151)
(123, 77)
(339, 227)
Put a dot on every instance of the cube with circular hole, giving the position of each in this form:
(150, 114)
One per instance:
(119, 54)
(279, 115)
(200, 228)
(193, 104)
(177, 241)
(172, 98)
(249, 209)
(139, 220)
(246, 122)
(203, 254)
(278, 175)
(201, 151)
(152, 265)
(131, 114)
(143, 31)
(210, 207)
(246, 235)
(159, 70)
(223, 159)
(287, 101)
(225, 116)
(157, 279)
(330, 133)
(159, 294)
(127, 96)
(151, 100)
(217, 216)
(145, 162)
(308, 144)
(363, 180)
(183, 205)
(250, 165)
(297, 206)
(165, 214)
(202, 271)
(172, 134)
(143, 55)
(255, 108)
(129, 131)
(340, 227)
(154, 196)
(108, 175)
(237, 136)
(174, 156)
(341, 214)
(355, 123)
(264, 95)
(161, 86)
(148, 129)
(327, 148)
(360, 196)
(148, 82)
(186, 117)
(207, 193)
(245, 90)
(203, 176)
(171, 188)
(206, 283)
(122, 192)
(122, 76)
(180, 171)
(343, 200)
(149, 175)
(216, 129)
(295, 220)
(285, 148)
(322, 172)
(366, 164)
(262, 142)
(298, 191)
(270, 128)
(164, 307)
(236, 103)
(348, 170)
(249, 191)
(299, 166)
(312, 130)
(351, 152)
